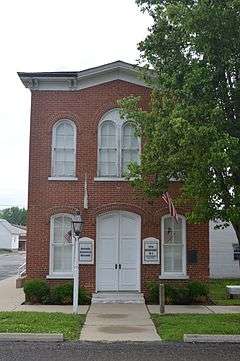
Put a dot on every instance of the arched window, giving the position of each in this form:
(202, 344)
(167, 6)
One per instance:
(130, 147)
(173, 245)
(108, 150)
(64, 149)
(61, 249)
(117, 145)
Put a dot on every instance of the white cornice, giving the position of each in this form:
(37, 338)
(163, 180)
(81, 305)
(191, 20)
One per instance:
(71, 81)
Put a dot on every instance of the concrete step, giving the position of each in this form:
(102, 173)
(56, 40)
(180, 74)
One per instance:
(118, 297)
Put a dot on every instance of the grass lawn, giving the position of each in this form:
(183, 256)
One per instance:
(173, 327)
(42, 322)
(218, 293)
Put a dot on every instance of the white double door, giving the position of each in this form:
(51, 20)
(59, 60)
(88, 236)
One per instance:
(118, 252)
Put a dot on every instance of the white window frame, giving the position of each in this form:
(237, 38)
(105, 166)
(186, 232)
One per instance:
(55, 126)
(114, 117)
(184, 250)
(53, 274)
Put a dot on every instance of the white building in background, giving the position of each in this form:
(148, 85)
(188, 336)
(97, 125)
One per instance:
(11, 237)
(222, 243)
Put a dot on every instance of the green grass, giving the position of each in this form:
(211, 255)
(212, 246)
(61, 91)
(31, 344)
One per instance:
(173, 327)
(218, 293)
(42, 322)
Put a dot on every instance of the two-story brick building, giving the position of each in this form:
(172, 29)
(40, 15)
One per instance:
(80, 147)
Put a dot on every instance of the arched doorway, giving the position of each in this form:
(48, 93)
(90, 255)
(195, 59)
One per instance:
(118, 248)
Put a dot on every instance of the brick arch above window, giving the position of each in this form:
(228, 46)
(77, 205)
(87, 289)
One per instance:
(59, 209)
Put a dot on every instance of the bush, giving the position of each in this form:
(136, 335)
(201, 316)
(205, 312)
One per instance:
(181, 296)
(192, 292)
(153, 292)
(36, 291)
(63, 295)
(198, 291)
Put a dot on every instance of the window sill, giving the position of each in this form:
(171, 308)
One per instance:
(62, 178)
(173, 277)
(59, 276)
(109, 179)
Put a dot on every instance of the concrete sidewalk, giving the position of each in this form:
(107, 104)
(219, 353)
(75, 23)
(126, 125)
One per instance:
(10, 296)
(118, 322)
(199, 309)
(11, 299)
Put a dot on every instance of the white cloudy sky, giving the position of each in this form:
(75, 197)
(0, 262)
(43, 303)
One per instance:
(53, 35)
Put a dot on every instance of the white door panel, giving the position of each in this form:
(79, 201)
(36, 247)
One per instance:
(107, 253)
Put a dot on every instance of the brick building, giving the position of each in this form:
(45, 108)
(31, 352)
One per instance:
(79, 149)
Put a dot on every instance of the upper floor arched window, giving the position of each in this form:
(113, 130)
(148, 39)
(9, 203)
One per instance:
(64, 149)
(130, 146)
(117, 145)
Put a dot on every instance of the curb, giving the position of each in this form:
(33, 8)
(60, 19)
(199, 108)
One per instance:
(41, 337)
(211, 338)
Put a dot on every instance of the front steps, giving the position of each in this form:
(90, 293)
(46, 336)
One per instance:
(118, 297)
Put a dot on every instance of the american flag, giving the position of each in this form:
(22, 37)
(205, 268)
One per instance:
(68, 236)
(168, 200)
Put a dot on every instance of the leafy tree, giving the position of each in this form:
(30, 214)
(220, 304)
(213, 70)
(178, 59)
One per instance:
(14, 215)
(191, 58)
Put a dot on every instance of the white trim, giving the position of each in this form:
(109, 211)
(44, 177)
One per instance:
(138, 218)
(71, 122)
(117, 70)
(106, 179)
(53, 274)
(59, 276)
(63, 178)
(172, 275)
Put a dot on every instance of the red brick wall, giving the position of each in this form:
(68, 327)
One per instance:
(85, 108)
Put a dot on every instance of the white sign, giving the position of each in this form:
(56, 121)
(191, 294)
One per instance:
(150, 252)
(86, 250)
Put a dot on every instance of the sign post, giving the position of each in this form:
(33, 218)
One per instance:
(75, 274)
(77, 225)
(162, 298)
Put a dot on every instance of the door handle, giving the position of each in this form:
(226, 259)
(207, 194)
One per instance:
(120, 266)
(116, 266)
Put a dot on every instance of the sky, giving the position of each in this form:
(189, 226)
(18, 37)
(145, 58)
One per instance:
(53, 35)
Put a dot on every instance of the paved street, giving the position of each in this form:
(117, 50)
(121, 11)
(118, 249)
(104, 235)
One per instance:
(78, 351)
(9, 263)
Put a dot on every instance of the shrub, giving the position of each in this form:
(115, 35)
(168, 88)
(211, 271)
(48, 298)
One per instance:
(36, 291)
(181, 296)
(153, 292)
(198, 291)
(84, 298)
(63, 295)
(192, 292)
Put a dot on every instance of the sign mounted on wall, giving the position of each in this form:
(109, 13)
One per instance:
(150, 252)
(86, 250)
